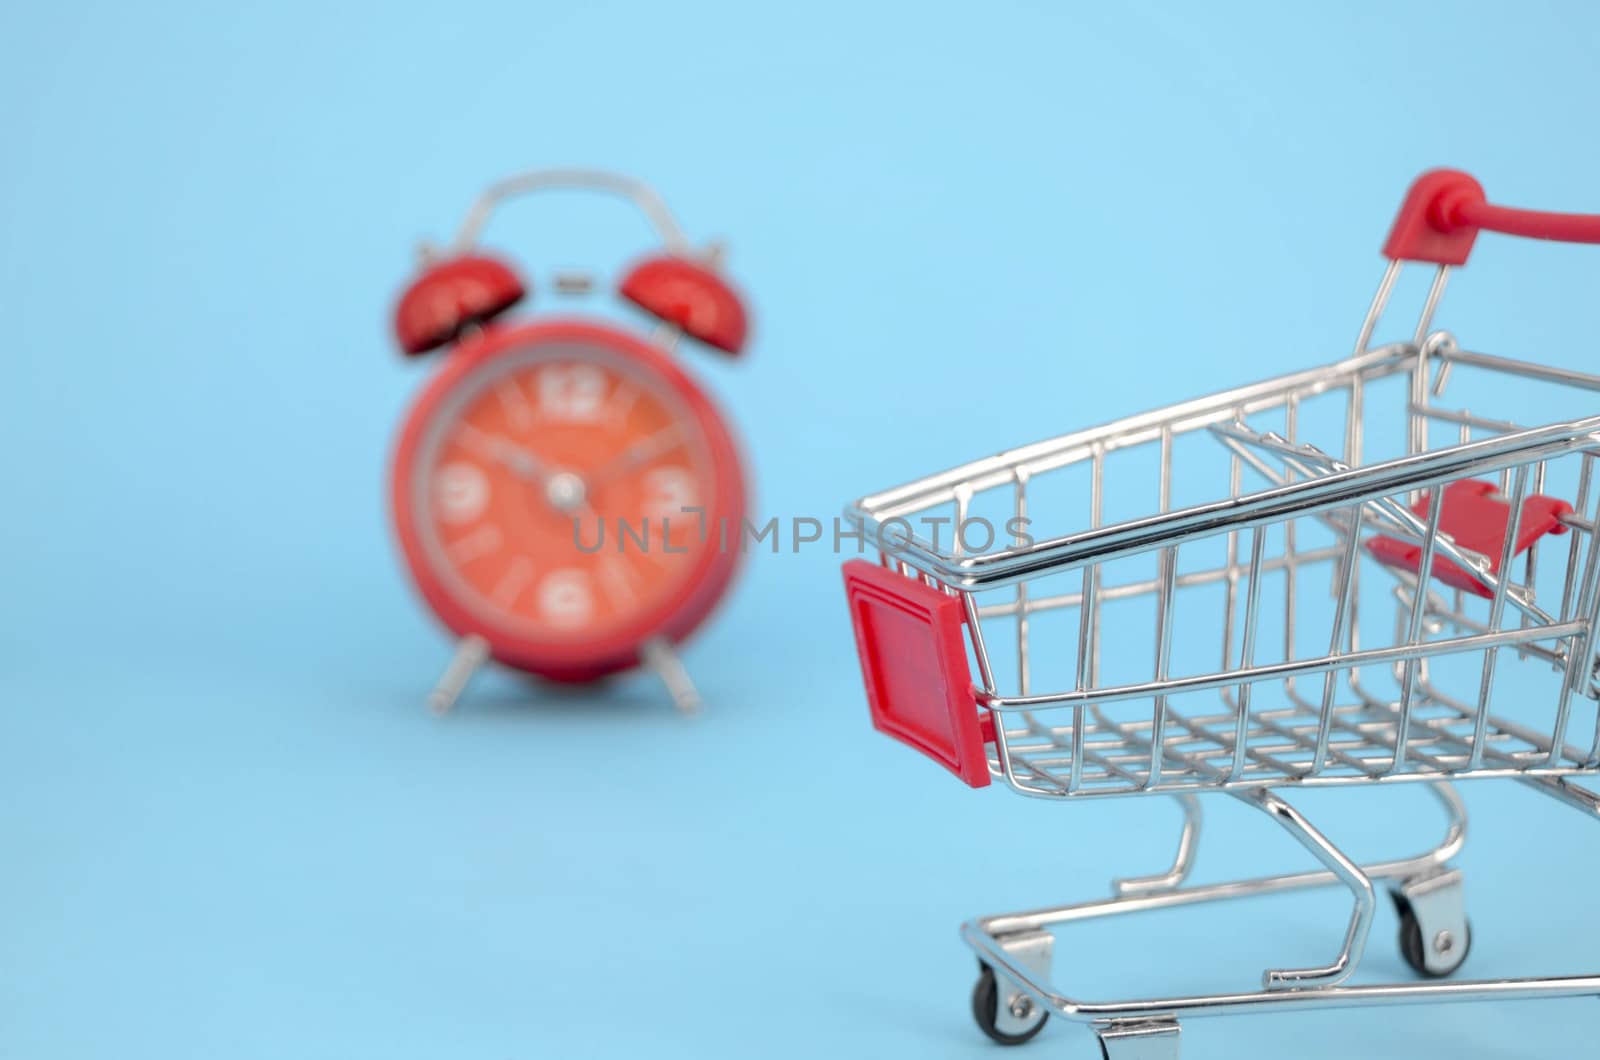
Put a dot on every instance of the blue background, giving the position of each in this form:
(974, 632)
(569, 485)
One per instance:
(229, 828)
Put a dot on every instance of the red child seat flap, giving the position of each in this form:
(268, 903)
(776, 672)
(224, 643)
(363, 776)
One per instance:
(911, 639)
(1476, 518)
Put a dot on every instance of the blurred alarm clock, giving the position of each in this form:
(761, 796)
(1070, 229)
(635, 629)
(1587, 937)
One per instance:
(561, 484)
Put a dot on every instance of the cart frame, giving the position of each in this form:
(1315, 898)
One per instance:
(921, 624)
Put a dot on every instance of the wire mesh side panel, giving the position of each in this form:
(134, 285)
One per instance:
(1252, 655)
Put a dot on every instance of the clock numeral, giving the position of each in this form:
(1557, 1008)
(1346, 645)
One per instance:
(572, 392)
(565, 598)
(667, 492)
(462, 492)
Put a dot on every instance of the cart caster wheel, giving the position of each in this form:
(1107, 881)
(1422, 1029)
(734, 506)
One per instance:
(1021, 1012)
(1450, 951)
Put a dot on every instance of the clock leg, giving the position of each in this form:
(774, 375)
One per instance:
(471, 653)
(660, 657)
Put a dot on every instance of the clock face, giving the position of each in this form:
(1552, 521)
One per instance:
(547, 489)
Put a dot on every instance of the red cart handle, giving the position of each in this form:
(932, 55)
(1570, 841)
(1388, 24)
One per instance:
(1446, 209)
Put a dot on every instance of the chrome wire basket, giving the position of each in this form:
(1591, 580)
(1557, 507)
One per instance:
(1331, 567)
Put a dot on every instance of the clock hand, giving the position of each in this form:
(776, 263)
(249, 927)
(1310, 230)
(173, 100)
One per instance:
(639, 453)
(565, 491)
(522, 461)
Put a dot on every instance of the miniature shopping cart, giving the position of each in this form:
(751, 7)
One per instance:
(1383, 570)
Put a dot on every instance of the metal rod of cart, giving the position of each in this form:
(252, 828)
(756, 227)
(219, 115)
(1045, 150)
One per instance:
(1381, 571)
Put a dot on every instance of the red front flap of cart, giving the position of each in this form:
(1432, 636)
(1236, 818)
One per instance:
(911, 639)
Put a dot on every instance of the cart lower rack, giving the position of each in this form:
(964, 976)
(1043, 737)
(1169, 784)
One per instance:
(1402, 470)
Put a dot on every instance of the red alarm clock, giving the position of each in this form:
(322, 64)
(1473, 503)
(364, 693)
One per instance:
(561, 485)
